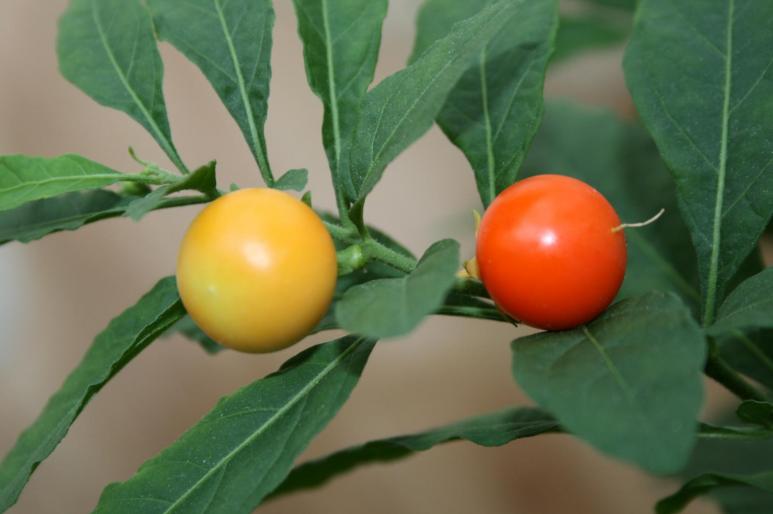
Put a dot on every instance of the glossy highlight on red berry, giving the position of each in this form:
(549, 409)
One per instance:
(547, 252)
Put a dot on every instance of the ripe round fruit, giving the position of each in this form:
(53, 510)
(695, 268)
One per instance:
(257, 270)
(547, 253)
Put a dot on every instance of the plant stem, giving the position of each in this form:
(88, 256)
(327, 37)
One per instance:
(339, 233)
(376, 250)
(733, 433)
(718, 369)
(472, 287)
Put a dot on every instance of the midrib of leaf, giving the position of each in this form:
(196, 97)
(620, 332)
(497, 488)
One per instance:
(331, 86)
(279, 413)
(609, 364)
(487, 124)
(711, 289)
(265, 170)
(165, 143)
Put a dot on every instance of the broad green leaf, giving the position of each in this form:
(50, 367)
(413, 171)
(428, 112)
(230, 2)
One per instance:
(750, 353)
(621, 161)
(494, 110)
(70, 211)
(494, 429)
(756, 412)
(239, 452)
(403, 107)
(708, 482)
(341, 41)
(230, 41)
(25, 179)
(293, 180)
(707, 106)
(629, 383)
(108, 50)
(588, 31)
(124, 338)
(392, 307)
(750, 305)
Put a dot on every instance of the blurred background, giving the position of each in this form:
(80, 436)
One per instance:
(58, 293)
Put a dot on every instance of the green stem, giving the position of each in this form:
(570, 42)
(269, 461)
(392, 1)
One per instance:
(376, 250)
(472, 287)
(718, 369)
(733, 433)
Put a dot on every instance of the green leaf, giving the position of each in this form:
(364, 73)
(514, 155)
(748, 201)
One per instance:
(588, 31)
(494, 429)
(629, 383)
(750, 353)
(707, 106)
(187, 327)
(403, 107)
(229, 461)
(708, 482)
(124, 338)
(293, 180)
(25, 179)
(230, 41)
(391, 307)
(621, 161)
(758, 413)
(494, 110)
(108, 50)
(750, 305)
(70, 211)
(203, 180)
(340, 47)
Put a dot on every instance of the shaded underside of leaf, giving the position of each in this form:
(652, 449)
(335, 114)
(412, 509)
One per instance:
(125, 337)
(749, 306)
(229, 461)
(630, 382)
(488, 430)
(707, 107)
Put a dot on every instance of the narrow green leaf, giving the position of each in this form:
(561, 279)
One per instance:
(750, 353)
(630, 382)
(245, 447)
(583, 32)
(494, 110)
(230, 41)
(391, 307)
(108, 50)
(403, 107)
(749, 306)
(125, 337)
(293, 180)
(70, 211)
(708, 482)
(718, 138)
(341, 42)
(494, 429)
(621, 161)
(203, 180)
(25, 179)
(758, 413)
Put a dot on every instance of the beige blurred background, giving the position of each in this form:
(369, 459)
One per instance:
(58, 293)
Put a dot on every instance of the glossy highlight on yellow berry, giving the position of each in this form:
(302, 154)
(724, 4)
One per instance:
(257, 270)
